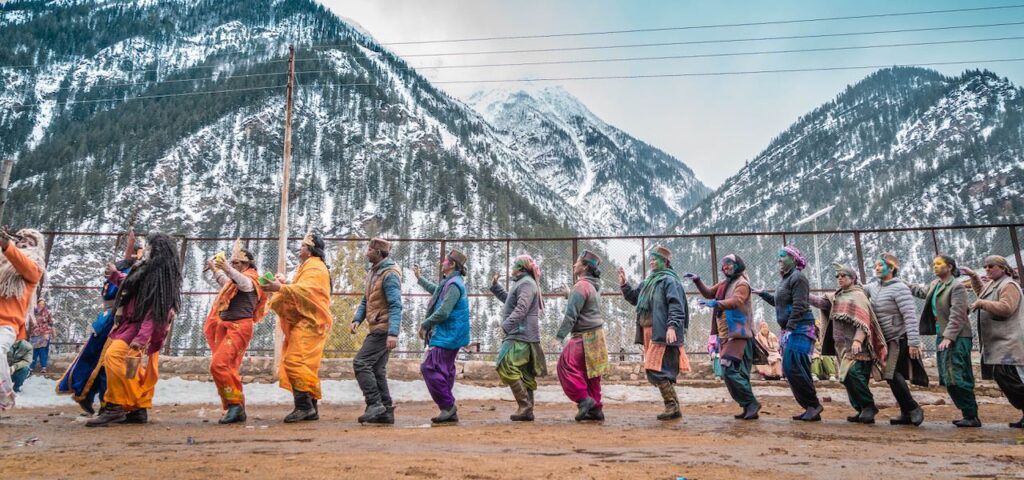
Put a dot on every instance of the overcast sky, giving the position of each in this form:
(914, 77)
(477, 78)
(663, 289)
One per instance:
(713, 124)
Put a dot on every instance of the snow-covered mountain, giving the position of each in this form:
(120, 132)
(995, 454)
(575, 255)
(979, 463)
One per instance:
(904, 147)
(377, 149)
(624, 183)
(104, 110)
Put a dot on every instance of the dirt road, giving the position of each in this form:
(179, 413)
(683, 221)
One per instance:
(185, 442)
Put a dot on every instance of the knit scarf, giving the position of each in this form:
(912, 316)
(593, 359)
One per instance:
(643, 305)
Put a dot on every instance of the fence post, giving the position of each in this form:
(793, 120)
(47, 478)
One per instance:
(935, 242)
(575, 254)
(46, 262)
(1016, 248)
(860, 256)
(508, 261)
(444, 251)
(714, 260)
(170, 328)
(643, 258)
(50, 237)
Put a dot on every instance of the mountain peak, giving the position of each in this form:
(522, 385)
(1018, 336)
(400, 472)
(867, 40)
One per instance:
(903, 147)
(588, 162)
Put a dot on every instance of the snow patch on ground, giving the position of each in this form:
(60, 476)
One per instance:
(39, 392)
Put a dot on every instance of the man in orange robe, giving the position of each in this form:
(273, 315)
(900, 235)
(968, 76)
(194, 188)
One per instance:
(303, 308)
(21, 270)
(240, 304)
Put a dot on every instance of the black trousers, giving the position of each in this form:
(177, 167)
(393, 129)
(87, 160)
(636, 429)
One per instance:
(371, 367)
(898, 383)
(1009, 381)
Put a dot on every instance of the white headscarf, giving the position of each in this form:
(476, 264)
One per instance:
(13, 285)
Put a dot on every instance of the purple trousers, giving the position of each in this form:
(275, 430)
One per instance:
(438, 371)
(572, 374)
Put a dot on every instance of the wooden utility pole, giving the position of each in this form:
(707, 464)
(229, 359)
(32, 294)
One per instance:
(282, 244)
(5, 180)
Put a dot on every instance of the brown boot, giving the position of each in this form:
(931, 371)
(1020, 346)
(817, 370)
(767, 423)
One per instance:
(522, 395)
(668, 394)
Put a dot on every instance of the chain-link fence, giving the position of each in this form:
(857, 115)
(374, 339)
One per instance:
(75, 263)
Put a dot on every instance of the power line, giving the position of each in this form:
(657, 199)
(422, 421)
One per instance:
(100, 100)
(141, 97)
(37, 67)
(177, 80)
(717, 74)
(709, 55)
(712, 41)
(720, 25)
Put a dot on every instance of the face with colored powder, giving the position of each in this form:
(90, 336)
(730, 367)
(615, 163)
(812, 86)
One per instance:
(447, 265)
(882, 269)
(579, 268)
(940, 268)
(786, 262)
(656, 262)
(728, 267)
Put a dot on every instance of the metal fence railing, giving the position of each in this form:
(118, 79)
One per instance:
(75, 263)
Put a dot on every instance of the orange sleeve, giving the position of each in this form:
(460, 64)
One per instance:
(23, 265)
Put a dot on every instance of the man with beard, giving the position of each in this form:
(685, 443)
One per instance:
(303, 309)
(239, 305)
(147, 301)
(21, 270)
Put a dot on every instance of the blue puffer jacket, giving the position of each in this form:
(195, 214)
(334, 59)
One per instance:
(453, 332)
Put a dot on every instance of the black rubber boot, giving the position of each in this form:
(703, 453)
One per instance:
(110, 414)
(137, 417)
(447, 416)
(372, 412)
(751, 412)
(86, 405)
(974, 422)
(385, 418)
(867, 415)
(583, 408)
(304, 410)
(813, 414)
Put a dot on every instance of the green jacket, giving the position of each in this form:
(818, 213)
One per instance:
(948, 318)
(20, 355)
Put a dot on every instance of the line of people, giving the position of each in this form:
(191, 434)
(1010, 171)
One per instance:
(871, 330)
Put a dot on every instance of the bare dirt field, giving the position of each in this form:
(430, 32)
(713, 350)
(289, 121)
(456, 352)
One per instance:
(184, 442)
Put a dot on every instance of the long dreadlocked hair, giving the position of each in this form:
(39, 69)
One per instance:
(155, 283)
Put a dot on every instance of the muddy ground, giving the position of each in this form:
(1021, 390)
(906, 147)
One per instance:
(184, 442)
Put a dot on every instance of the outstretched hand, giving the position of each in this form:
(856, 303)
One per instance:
(622, 276)
(494, 278)
(691, 276)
